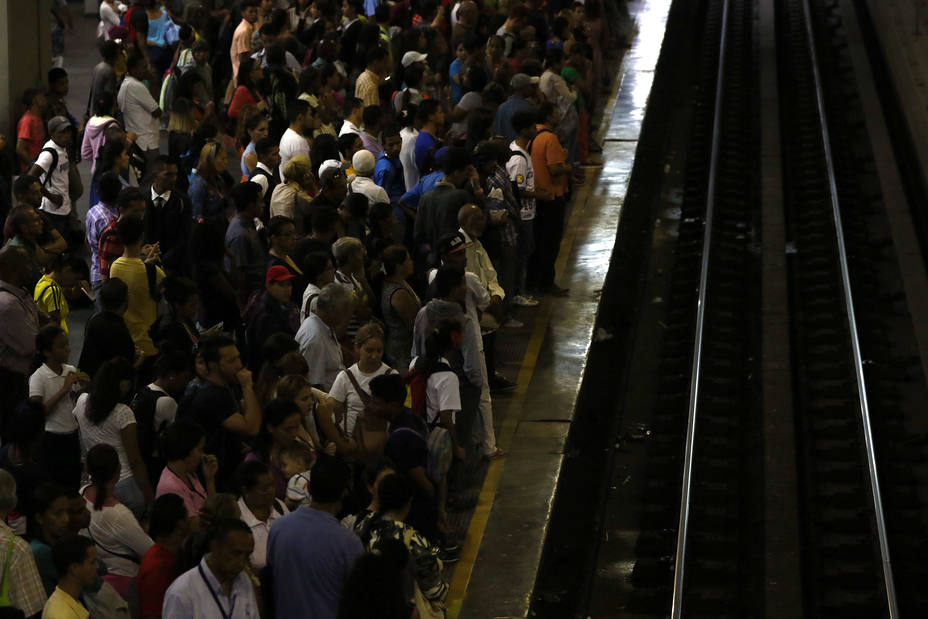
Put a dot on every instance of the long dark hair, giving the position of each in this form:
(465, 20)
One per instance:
(276, 411)
(244, 76)
(437, 343)
(109, 154)
(103, 467)
(104, 390)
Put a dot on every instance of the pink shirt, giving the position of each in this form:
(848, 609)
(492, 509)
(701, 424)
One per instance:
(172, 484)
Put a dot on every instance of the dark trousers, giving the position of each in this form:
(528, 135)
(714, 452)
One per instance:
(61, 454)
(549, 230)
(14, 389)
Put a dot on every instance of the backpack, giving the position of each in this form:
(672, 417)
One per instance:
(417, 384)
(144, 405)
(51, 168)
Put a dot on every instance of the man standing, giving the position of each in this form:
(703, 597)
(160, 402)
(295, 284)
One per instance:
(549, 160)
(52, 167)
(310, 554)
(99, 217)
(364, 164)
(265, 173)
(367, 88)
(103, 78)
(292, 142)
(438, 209)
(226, 417)
(30, 131)
(248, 259)
(523, 90)
(431, 118)
(218, 587)
(241, 39)
(75, 559)
(168, 216)
(139, 109)
(318, 335)
(25, 587)
(19, 324)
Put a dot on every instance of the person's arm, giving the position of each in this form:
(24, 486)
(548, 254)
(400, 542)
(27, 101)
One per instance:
(130, 442)
(419, 477)
(405, 306)
(470, 350)
(559, 169)
(37, 170)
(251, 161)
(247, 423)
(447, 422)
(22, 150)
(326, 424)
(210, 466)
(46, 253)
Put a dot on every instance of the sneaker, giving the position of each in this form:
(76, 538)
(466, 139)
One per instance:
(499, 452)
(499, 383)
(524, 300)
(450, 553)
(512, 323)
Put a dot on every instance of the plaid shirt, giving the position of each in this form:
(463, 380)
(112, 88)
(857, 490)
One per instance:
(509, 202)
(98, 218)
(367, 88)
(26, 590)
(110, 248)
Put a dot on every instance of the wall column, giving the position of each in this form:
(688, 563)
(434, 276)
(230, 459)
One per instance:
(25, 55)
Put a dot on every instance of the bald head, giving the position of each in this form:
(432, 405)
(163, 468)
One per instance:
(472, 220)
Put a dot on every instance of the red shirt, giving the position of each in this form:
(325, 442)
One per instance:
(156, 573)
(31, 129)
(110, 248)
(240, 98)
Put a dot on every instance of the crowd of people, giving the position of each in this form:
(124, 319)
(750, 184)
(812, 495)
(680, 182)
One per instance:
(306, 223)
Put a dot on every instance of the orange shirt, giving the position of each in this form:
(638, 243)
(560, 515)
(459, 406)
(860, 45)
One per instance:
(547, 150)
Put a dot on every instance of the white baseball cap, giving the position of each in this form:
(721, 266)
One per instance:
(411, 57)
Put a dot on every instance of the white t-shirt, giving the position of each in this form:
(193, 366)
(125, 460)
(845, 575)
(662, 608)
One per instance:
(116, 532)
(343, 391)
(44, 383)
(312, 292)
(291, 145)
(522, 173)
(107, 432)
(137, 104)
(59, 182)
(369, 189)
(408, 156)
(165, 408)
(442, 393)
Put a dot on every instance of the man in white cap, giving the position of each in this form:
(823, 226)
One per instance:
(524, 88)
(363, 163)
(333, 185)
(51, 168)
(412, 57)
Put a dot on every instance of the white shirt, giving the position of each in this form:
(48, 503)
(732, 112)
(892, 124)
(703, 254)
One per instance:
(371, 190)
(165, 409)
(312, 290)
(442, 393)
(261, 180)
(164, 196)
(137, 104)
(343, 391)
(44, 383)
(59, 182)
(292, 63)
(118, 536)
(408, 156)
(521, 171)
(349, 127)
(189, 596)
(321, 351)
(291, 145)
(260, 530)
(106, 432)
(478, 298)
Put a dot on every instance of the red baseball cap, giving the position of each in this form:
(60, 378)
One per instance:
(278, 273)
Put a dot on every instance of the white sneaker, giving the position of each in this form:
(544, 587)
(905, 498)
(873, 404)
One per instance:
(512, 323)
(525, 300)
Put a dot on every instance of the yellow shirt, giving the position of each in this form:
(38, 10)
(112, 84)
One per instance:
(50, 298)
(60, 605)
(143, 310)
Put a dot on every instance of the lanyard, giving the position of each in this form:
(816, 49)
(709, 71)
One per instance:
(222, 611)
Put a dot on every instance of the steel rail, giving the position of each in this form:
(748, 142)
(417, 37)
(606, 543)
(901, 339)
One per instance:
(682, 529)
(852, 325)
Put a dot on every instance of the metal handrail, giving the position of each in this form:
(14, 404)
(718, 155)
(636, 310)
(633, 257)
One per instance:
(852, 324)
(680, 561)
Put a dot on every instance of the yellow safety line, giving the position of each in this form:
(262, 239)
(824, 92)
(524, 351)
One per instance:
(478, 522)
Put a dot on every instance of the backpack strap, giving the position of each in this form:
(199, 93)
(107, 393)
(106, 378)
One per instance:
(151, 272)
(52, 167)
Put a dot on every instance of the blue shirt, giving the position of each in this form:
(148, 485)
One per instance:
(503, 124)
(456, 69)
(424, 185)
(424, 141)
(388, 173)
(310, 555)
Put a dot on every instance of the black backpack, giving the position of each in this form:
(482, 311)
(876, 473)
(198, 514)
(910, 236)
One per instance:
(51, 168)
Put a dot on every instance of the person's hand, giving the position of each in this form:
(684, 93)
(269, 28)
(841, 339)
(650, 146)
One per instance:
(56, 199)
(244, 378)
(131, 137)
(329, 448)
(153, 254)
(74, 377)
(216, 329)
(459, 453)
(543, 194)
(210, 466)
(262, 105)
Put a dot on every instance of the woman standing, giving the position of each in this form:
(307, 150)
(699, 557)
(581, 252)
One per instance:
(246, 93)
(258, 505)
(208, 188)
(350, 389)
(182, 445)
(121, 542)
(282, 429)
(112, 157)
(103, 418)
(256, 128)
(399, 304)
(310, 402)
